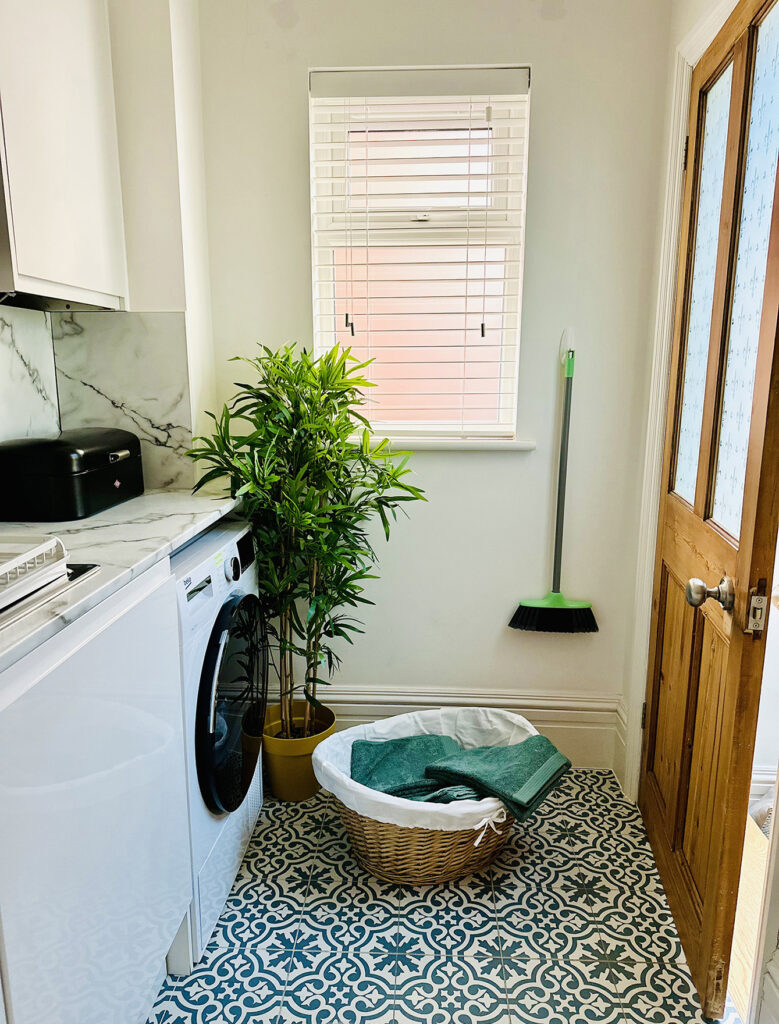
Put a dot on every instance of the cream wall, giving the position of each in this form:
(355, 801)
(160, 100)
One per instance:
(455, 571)
(188, 104)
(687, 15)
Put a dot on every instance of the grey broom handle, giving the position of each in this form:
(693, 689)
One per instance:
(563, 472)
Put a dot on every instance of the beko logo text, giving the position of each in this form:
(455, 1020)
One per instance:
(187, 582)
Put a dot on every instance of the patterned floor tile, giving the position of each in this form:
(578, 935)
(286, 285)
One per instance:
(556, 992)
(242, 924)
(624, 859)
(569, 926)
(264, 900)
(545, 924)
(565, 832)
(287, 873)
(531, 858)
(236, 928)
(349, 928)
(660, 994)
(471, 892)
(273, 880)
(597, 891)
(598, 806)
(333, 840)
(338, 883)
(641, 925)
(428, 930)
(592, 784)
(229, 986)
(581, 889)
(341, 988)
(436, 990)
(295, 839)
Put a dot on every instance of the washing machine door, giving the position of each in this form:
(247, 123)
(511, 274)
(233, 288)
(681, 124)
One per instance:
(231, 704)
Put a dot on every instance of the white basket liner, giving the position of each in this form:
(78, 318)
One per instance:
(471, 727)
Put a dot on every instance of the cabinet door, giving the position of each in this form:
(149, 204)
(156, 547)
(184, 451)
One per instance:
(60, 155)
(95, 871)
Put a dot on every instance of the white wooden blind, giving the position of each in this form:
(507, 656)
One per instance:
(418, 209)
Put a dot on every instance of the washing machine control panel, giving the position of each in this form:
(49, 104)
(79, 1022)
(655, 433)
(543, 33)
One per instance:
(207, 571)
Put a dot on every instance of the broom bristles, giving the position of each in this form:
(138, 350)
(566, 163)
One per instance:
(554, 620)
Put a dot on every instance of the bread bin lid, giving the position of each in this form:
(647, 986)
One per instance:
(74, 451)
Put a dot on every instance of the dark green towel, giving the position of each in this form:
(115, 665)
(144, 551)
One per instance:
(432, 792)
(387, 765)
(397, 767)
(520, 775)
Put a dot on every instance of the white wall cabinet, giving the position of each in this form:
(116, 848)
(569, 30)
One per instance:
(95, 871)
(61, 225)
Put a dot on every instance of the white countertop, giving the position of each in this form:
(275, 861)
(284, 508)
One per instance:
(124, 541)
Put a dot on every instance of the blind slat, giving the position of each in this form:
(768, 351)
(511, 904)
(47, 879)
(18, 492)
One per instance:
(406, 161)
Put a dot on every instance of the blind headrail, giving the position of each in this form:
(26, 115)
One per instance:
(510, 80)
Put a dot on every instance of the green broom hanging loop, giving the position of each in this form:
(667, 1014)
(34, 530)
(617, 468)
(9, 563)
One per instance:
(556, 613)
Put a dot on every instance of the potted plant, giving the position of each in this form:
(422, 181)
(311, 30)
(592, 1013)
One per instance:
(297, 449)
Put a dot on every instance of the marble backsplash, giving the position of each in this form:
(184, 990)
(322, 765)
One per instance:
(129, 370)
(28, 385)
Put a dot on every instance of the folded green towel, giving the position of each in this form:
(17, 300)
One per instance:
(389, 765)
(432, 792)
(449, 794)
(521, 775)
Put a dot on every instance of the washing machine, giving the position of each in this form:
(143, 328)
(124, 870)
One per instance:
(222, 642)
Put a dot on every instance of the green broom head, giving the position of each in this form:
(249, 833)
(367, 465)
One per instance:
(554, 613)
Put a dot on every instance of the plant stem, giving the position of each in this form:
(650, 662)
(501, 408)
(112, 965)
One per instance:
(311, 665)
(285, 678)
(290, 696)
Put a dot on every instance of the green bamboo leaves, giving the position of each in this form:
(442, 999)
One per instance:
(298, 451)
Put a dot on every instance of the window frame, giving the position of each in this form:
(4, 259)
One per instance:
(359, 225)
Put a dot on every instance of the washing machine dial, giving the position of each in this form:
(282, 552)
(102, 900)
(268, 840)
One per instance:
(232, 569)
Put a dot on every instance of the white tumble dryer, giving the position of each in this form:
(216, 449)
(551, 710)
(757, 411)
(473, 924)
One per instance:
(221, 641)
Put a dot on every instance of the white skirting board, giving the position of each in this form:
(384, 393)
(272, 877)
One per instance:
(585, 728)
(763, 781)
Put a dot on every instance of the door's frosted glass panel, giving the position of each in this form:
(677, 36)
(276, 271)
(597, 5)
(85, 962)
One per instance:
(715, 137)
(754, 229)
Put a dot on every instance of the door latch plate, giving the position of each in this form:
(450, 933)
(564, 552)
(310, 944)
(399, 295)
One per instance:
(758, 606)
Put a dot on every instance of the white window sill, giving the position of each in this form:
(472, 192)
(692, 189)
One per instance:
(462, 444)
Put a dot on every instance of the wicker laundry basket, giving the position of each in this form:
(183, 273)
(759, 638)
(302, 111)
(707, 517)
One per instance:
(413, 843)
(420, 856)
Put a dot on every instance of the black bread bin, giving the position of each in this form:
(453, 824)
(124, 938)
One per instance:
(72, 476)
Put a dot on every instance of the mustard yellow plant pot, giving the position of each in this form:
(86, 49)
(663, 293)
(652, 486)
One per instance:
(288, 761)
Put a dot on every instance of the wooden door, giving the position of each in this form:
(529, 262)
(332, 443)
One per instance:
(719, 509)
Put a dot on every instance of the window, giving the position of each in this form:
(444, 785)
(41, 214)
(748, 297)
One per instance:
(418, 205)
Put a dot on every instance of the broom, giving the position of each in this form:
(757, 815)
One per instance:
(556, 613)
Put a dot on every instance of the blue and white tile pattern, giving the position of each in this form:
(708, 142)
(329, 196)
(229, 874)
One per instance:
(569, 926)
